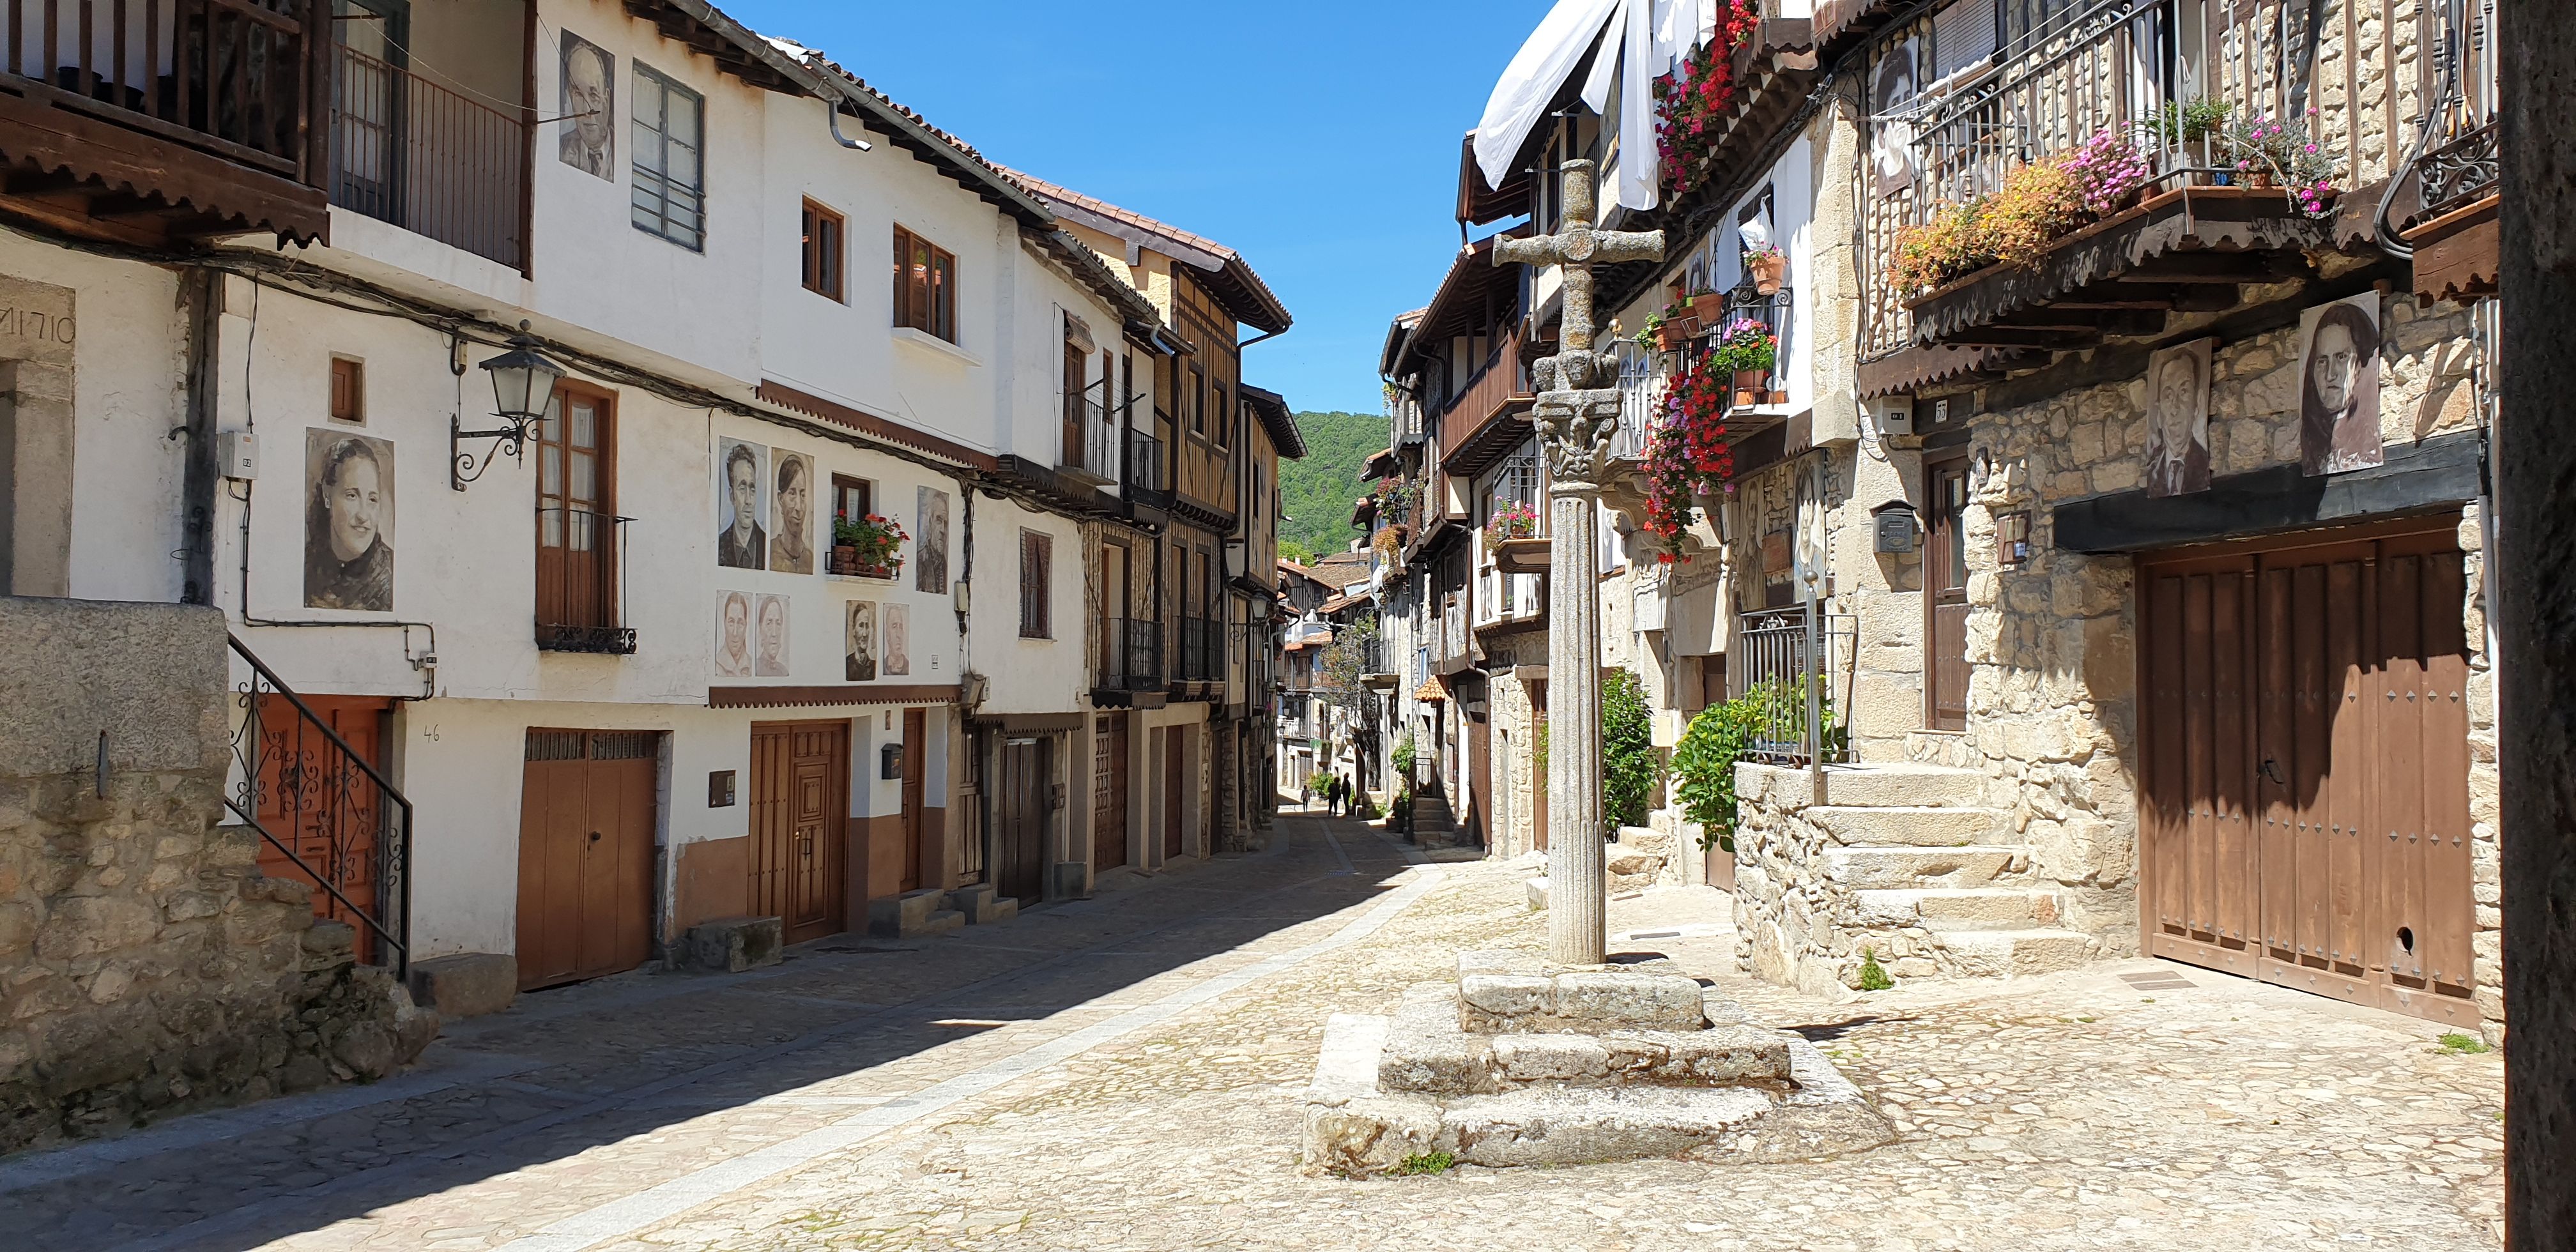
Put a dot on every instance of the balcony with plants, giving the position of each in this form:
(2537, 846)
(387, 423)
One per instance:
(2117, 163)
(867, 546)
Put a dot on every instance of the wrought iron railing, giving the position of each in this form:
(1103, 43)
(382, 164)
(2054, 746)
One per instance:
(229, 77)
(1642, 380)
(1132, 654)
(1202, 650)
(1142, 472)
(408, 151)
(581, 582)
(2463, 159)
(333, 816)
(1372, 652)
(1796, 667)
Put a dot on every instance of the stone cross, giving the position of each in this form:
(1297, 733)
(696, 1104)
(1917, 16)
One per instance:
(1576, 411)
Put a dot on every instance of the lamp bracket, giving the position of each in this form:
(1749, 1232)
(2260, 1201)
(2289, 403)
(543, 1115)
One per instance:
(464, 467)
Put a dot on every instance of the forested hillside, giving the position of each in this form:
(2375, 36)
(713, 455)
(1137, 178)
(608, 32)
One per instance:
(1317, 492)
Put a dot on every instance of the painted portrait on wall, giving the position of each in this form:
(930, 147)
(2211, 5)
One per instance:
(859, 660)
(742, 497)
(1894, 83)
(2178, 419)
(348, 521)
(930, 542)
(733, 634)
(2339, 386)
(769, 637)
(791, 514)
(898, 640)
(588, 105)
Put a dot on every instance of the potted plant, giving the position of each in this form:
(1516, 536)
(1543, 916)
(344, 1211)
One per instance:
(1708, 306)
(1652, 334)
(1746, 349)
(1768, 265)
(2271, 153)
(2183, 132)
(1511, 521)
(2109, 173)
(869, 546)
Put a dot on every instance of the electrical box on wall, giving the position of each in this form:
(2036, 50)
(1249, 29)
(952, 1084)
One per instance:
(237, 451)
(1892, 415)
(890, 761)
(720, 789)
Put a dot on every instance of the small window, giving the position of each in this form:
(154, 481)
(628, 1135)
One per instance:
(925, 286)
(1194, 401)
(1036, 584)
(348, 390)
(822, 263)
(1222, 404)
(670, 185)
(852, 498)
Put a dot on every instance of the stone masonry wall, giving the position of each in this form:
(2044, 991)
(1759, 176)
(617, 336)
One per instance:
(2051, 645)
(146, 966)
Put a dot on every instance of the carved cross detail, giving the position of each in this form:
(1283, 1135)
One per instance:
(1575, 250)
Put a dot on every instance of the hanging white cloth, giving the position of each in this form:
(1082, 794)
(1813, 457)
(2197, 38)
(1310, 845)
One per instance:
(1532, 79)
(1640, 41)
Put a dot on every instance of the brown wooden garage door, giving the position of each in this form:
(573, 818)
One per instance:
(585, 854)
(2305, 736)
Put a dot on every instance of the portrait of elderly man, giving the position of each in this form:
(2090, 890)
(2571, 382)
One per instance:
(898, 641)
(348, 522)
(791, 514)
(2178, 419)
(2339, 386)
(770, 659)
(740, 542)
(588, 106)
(859, 665)
(930, 542)
(733, 635)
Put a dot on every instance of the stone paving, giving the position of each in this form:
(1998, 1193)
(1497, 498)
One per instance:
(1126, 1072)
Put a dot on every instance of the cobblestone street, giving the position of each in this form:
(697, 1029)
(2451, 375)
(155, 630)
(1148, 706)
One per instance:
(1125, 1072)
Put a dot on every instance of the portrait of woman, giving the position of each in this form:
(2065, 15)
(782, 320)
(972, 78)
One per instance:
(770, 661)
(733, 635)
(791, 525)
(859, 664)
(348, 522)
(2178, 419)
(2339, 386)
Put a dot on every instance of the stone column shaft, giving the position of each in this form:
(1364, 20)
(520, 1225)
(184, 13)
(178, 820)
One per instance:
(1577, 927)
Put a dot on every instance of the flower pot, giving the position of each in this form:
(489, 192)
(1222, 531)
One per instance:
(1767, 269)
(1708, 307)
(1670, 336)
(845, 557)
(1746, 399)
(1752, 380)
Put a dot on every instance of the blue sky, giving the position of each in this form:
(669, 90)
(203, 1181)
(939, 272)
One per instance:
(1320, 138)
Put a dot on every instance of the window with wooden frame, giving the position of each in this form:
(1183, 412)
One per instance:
(580, 594)
(1218, 419)
(824, 230)
(1194, 401)
(852, 498)
(669, 139)
(348, 390)
(1077, 364)
(925, 286)
(1037, 585)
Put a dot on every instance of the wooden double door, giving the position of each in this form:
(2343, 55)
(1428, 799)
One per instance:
(800, 819)
(1023, 804)
(586, 820)
(2304, 728)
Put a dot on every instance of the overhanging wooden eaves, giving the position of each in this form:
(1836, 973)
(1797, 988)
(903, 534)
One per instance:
(1496, 435)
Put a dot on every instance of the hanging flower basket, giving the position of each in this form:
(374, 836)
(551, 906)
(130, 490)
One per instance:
(1686, 453)
(1768, 265)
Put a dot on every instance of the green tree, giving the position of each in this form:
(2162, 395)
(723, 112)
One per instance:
(1316, 492)
(1630, 767)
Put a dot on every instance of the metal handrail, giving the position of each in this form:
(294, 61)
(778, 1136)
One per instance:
(393, 855)
(1801, 660)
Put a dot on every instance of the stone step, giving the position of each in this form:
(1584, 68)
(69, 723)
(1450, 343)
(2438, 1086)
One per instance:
(1428, 1051)
(1902, 868)
(1919, 826)
(1955, 908)
(1646, 839)
(2003, 953)
(1908, 785)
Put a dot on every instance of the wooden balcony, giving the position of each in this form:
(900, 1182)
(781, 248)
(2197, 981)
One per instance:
(152, 123)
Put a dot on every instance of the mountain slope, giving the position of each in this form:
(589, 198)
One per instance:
(1317, 492)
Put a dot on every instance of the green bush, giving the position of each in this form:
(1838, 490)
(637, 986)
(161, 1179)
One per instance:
(1704, 761)
(1630, 766)
(1404, 756)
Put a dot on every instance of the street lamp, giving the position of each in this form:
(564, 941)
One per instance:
(523, 388)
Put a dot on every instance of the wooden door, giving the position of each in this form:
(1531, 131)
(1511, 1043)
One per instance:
(1538, 769)
(800, 806)
(1172, 791)
(1945, 596)
(1109, 792)
(2305, 759)
(576, 518)
(915, 740)
(1023, 800)
(586, 826)
(318, 802)
(1480, 787)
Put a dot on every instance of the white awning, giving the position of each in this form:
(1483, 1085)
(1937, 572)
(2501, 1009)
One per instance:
(1650, 36)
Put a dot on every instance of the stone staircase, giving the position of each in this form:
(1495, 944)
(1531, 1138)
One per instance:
(1434, 825)
(1638, 860)
(1908, 863)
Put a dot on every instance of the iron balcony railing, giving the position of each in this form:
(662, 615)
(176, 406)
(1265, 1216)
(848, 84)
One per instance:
(2462, 161)
(1373, 656)
(1797, 671)
(1949, 127)
(334, 818)
(1143, 472)
(233, 78)
(581, 582)
(1642, 384)
(1202, 650)
(1132, 655)
(408, 151)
